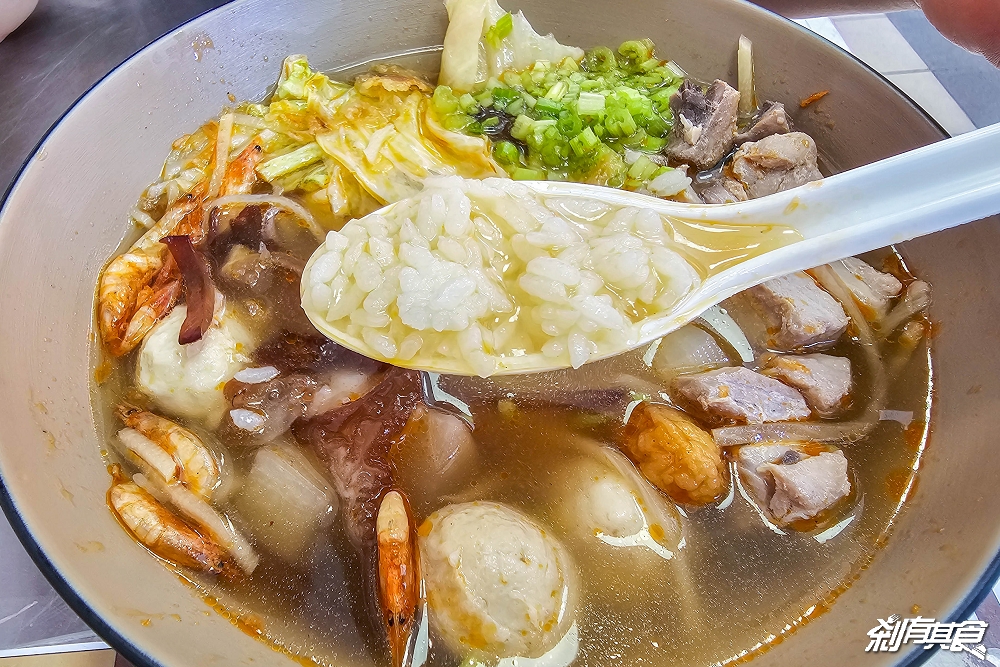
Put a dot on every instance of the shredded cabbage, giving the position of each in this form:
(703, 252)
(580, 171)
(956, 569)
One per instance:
(375, 138)
(352, 147)
(391, 143)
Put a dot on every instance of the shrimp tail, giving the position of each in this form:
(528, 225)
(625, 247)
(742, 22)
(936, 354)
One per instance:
(127, 412)
(398, 575)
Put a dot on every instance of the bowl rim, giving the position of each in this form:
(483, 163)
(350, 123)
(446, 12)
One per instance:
(122, 644)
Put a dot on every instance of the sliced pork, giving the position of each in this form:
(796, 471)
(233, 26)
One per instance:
(705, 123)
(772, 120)
(749, 458)
(788, 314)
(824, 380)
(776, 163)
(740, 395)
(793, 482)
(872, 290)
(804, 489)
(723, 190)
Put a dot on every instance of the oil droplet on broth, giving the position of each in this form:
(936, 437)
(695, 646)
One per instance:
(201, 43)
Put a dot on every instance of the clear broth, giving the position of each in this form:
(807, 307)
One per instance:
(734, 589)
(746, 585)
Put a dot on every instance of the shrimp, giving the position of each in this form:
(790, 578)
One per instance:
(156, 528)
(155, 301)
(174, 452)
(398, 575)
(133, 295)
(141, 286)
(241, 175)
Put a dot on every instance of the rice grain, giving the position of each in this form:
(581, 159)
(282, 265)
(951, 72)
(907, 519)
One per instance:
(477, 273)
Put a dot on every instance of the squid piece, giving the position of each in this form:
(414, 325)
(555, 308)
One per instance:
(398, 574)
(314, 355)
(303, 376)
(159, 530)
(174, 452)
(263, 411)
(199, 290)
(353, 442)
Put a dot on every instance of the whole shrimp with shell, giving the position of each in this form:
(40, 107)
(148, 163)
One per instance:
(165, 506)
(158, 529)
(140, 287)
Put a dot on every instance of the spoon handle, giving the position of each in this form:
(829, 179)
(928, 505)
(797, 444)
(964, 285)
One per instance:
(920, 192)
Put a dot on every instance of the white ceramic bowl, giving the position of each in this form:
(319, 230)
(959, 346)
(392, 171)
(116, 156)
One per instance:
(68, 210)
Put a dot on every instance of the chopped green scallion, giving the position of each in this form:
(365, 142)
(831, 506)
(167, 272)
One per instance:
(642, 168)
(590, 104)
(444, 100)
(637, 50)
(505, 95)
(546, 105)
(506, 152)
(499, 30)
(515, 107)
(521, 127)
(653, 144)
(456, 121)
(569, 124)
(523, 174)
(557, 91)
(601, 59)
(468, 103)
